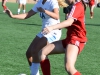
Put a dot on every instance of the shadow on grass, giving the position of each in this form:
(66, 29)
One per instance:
(29, 24)
(92, 24)
(2, 12)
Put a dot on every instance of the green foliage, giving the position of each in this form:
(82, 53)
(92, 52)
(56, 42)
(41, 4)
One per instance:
(16, 35)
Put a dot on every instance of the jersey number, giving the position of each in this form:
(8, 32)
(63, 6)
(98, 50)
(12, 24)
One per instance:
(42, 15)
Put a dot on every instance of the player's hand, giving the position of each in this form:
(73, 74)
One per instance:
(9, 13)
(40, 9)
(47, 30)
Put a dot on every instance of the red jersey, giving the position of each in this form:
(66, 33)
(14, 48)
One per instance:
(91, 2)
(77, 30)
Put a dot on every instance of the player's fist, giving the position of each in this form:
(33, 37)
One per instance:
(40, 9)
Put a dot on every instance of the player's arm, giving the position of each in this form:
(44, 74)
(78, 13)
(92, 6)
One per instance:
(28, 0)
(54, 14)
(61, 25)
(20, 16)
(16, 1)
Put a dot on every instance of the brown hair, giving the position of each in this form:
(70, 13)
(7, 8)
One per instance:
(83, 4)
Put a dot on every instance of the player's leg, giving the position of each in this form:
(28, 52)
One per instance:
(19, 8)
(4, 5)
(53, 36)
(72, 51)
(70, 58)
(92, 11)
(37, 47)
(53, 48)
(24, 8)
(2, 2)
(32, 53)
(29, 55)
(45, 40)
(91, 6)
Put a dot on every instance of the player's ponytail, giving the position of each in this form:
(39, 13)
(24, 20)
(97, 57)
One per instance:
(62, 3)
(83, 4)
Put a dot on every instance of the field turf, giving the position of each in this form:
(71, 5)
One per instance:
(16, 35)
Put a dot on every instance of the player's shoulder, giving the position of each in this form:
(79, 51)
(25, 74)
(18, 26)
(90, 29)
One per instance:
(39, 1)
(78, 4)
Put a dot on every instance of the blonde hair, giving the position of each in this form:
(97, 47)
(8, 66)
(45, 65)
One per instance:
(62, 3)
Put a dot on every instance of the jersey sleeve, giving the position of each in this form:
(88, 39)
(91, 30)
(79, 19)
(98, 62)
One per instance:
(75, 12)
(54, 4)
(35, 6)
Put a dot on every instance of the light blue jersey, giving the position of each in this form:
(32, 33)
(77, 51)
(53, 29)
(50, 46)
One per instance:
(49, 5)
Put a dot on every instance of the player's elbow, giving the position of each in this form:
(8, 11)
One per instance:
(56, 17)
(26, 16)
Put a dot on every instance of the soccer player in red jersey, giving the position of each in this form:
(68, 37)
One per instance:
(4, 5)
(75, 39)
(91, 6)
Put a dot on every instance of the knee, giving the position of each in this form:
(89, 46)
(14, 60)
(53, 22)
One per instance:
(42, 55)
(32, 57)
(36, 58)
(28, 54)
(31, 53)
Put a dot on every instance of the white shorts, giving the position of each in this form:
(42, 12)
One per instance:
(22, 2)
(55, 35)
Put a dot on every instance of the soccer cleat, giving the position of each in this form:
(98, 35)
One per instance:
(91, 17)
(4, 11)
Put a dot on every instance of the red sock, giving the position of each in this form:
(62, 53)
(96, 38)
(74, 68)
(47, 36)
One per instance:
(77, 73)
(4, 7)
(45, 66)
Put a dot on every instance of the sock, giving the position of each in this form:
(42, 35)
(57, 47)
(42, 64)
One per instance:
(35, 68)
(77, 73)
(91, 13)
(38, 73)
(45, 66)
(18, 11)
(23, 11)
(4, 7)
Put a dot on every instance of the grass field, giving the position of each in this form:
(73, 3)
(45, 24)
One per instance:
(16, 35)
